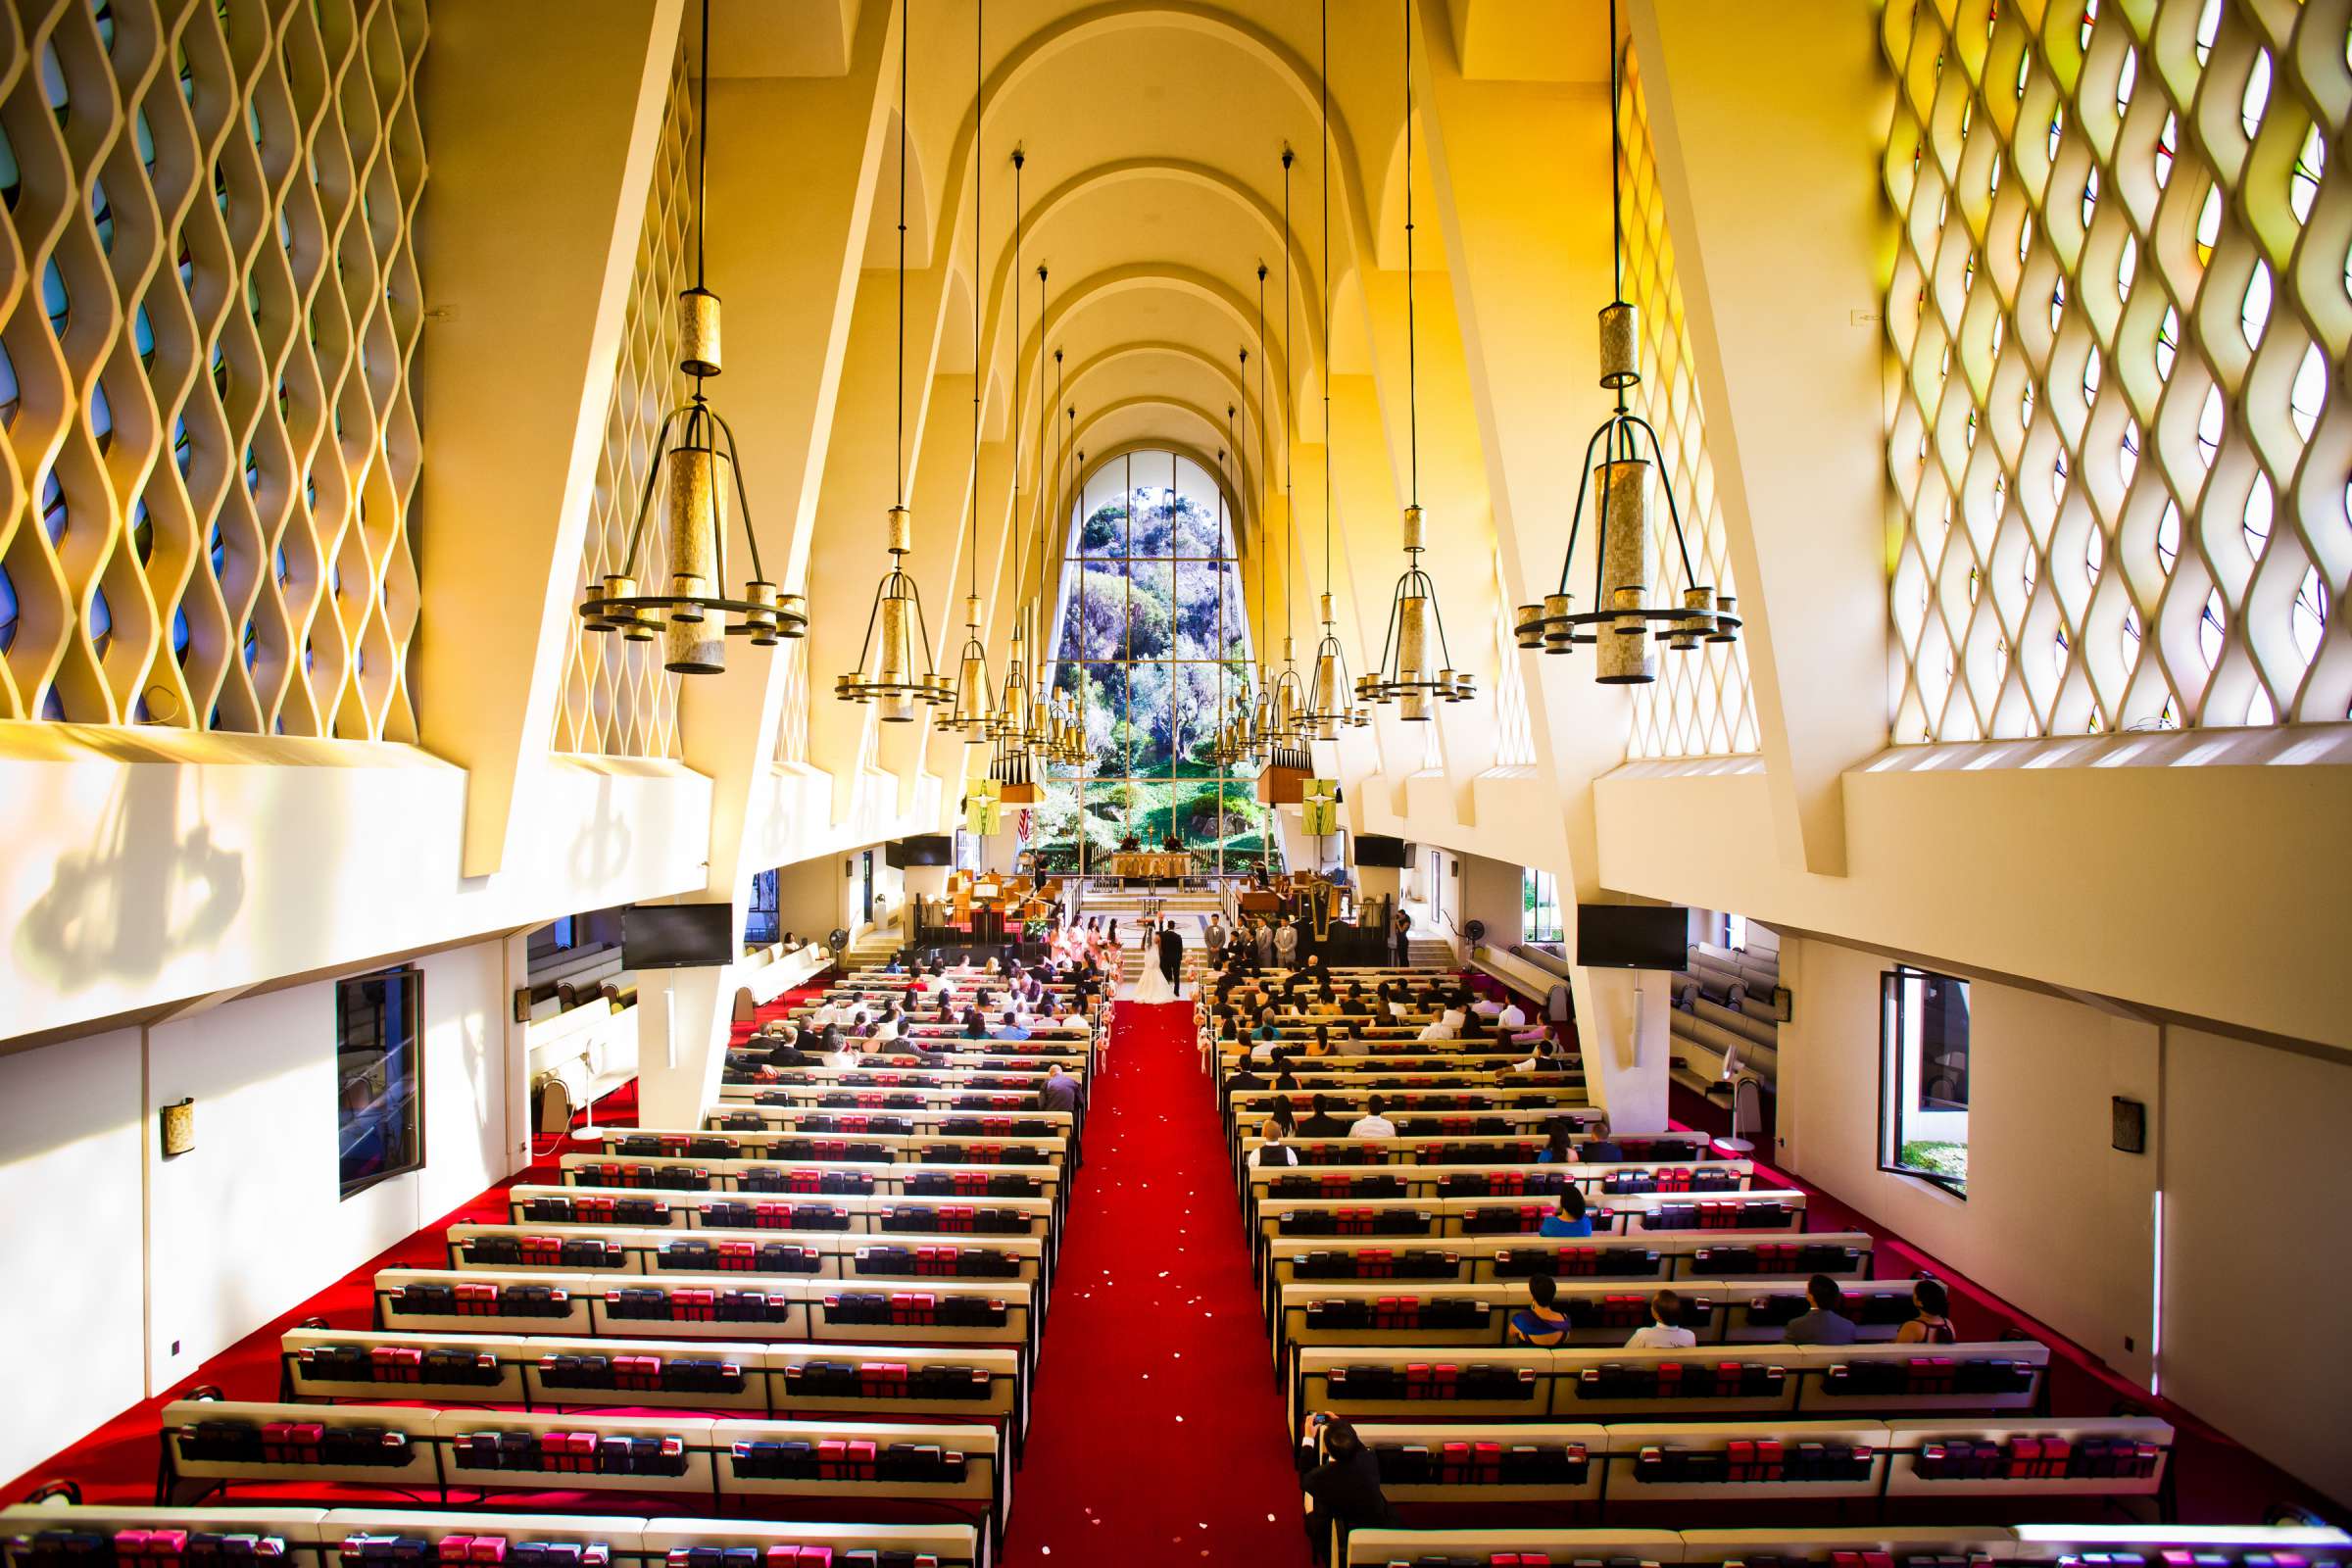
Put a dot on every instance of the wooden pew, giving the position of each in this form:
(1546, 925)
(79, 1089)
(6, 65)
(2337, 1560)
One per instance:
(769, 1380)
(1781, 1216)
(728, 1256)
(1719, 1312)
(791, 1146)
(1614, 1383)
(2022, 1546)
(943, 1311)
(207, 1445)
(1639, 1463)
(947, 1219)
(1661, 1256)
(973, 1184)
(1601, 1311)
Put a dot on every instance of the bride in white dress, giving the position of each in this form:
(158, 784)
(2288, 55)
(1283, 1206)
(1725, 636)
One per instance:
(1156, 986)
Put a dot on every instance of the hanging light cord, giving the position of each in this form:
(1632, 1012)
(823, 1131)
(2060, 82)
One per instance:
(1616, 202)
(702, 146)
(1020, 558)
(1326, 83)
(1265, 478)
(1289, 432)
(979, 381)
(906, 20)
(1412, 368)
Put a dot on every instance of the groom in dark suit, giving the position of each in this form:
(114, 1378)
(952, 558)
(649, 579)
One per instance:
(1171, 954)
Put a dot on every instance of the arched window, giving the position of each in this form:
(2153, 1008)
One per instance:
(1153, 641)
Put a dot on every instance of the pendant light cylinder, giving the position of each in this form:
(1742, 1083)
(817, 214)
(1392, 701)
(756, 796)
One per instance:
(1620, 345)
(1414, 538)
(698, 332)
(1623, 649)
(694, 645)
(971, 692)
(896, 654)
(1412, 639)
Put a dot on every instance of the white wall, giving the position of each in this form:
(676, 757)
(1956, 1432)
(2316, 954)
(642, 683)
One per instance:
(71, 1141)
(251, 1221)
(2055, 1220)
(1492, 892)
(2258, 1248)
(2245, 1140)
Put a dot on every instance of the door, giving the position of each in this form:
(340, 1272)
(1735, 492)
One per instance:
(1435, 895)
(865, 884)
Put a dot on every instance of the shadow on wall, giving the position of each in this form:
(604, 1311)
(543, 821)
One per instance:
(145, 894)
(601, 852)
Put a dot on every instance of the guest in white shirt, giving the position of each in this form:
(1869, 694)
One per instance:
(819, 1017)
(1512, 1015)
(1373, 1124)
(1663, 1333)
(1448, 1026)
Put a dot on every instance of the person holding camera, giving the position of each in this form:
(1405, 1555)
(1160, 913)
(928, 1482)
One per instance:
(1341, 1482)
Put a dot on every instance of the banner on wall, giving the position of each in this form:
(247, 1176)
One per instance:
(983, 812)
(1319, 806)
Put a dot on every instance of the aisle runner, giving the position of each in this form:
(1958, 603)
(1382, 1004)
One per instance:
(1157, 1432)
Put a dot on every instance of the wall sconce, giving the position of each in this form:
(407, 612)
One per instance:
(178, 1128)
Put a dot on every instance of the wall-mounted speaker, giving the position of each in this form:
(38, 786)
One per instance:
(178, 1120)
(2131, 1134)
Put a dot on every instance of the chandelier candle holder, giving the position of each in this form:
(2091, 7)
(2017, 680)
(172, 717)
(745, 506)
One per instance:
(886, 675)
(692, 617)
(1623, 627)
(971, 713)
(1329, 706)
(1406, 675)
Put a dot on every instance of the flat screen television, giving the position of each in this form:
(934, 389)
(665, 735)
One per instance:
(927, 849)
(1372, 849)
(677, 936)
(1632, 936)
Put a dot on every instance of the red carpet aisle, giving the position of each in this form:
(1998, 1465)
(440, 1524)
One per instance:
(1158, 1433)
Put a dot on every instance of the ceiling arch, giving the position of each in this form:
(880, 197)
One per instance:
(1095, 293)
(1028, 63)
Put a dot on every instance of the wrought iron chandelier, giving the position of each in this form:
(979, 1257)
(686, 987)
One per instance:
(1231, 748)
(1038, 735)
(1067, 734)
(886, 675)
(1330, 704)
(1290, 691)
(974, 712)
(1262, 703)
(1619, 629)
(1406, 676)
(692, 617)
(1011, 728)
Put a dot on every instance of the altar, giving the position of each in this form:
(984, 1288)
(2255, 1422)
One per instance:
(1162, 865)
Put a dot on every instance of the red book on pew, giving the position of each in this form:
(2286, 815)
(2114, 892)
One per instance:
(2025, 1457)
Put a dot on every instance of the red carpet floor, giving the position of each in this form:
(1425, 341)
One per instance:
(1157, 1432)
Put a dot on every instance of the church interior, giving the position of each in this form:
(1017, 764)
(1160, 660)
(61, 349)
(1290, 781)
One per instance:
(769, 797)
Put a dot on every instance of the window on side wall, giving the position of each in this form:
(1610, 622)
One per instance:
(379, 1076)
(1923, 1077)
(1540, 921)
